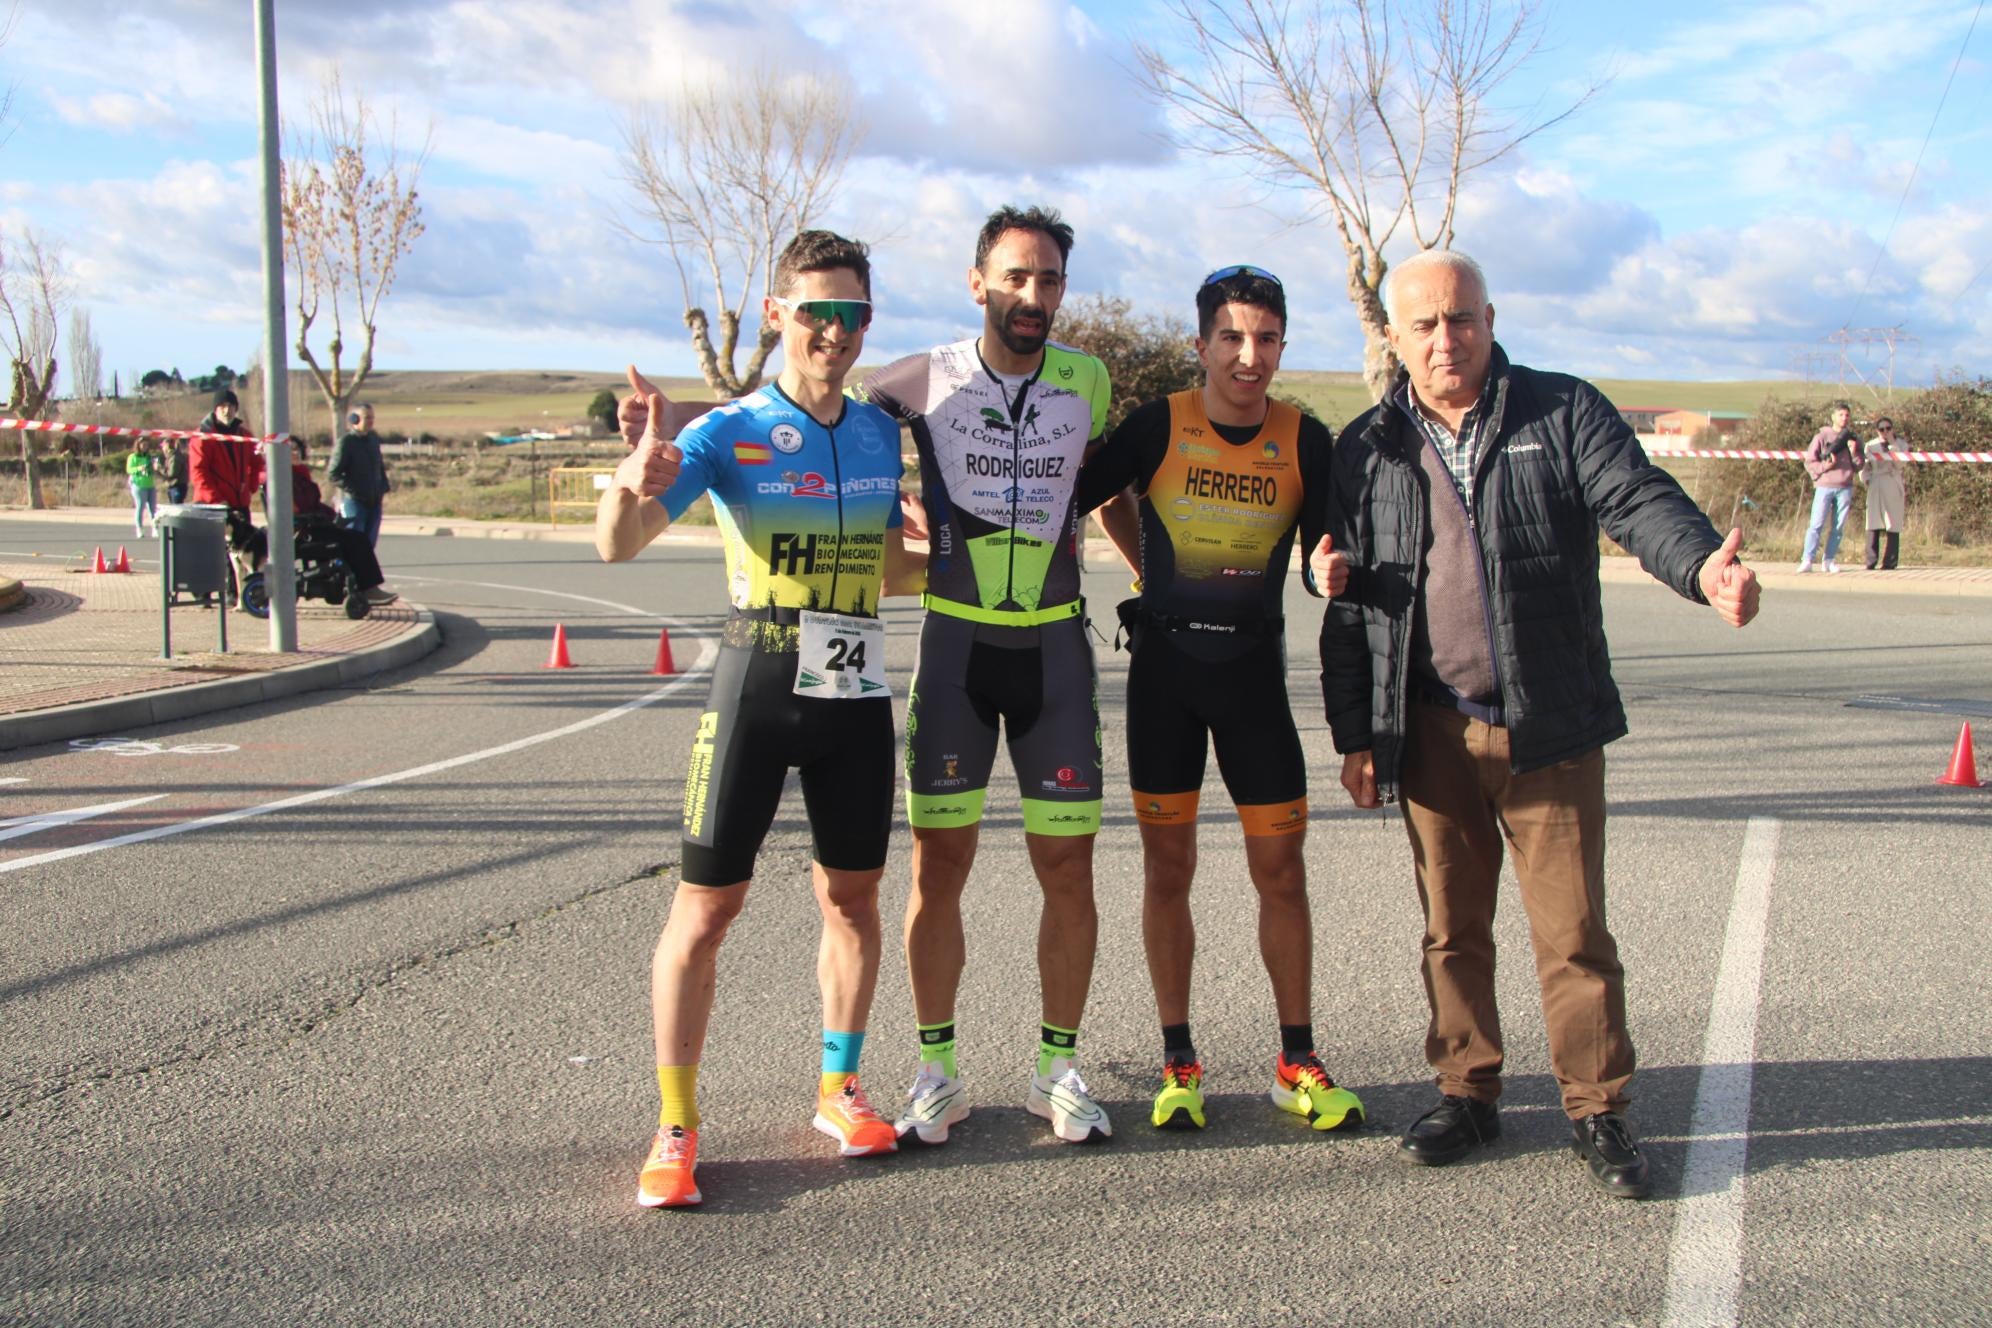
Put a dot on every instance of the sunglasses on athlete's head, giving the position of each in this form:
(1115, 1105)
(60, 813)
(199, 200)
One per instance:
(854, 315)
(1242, 270)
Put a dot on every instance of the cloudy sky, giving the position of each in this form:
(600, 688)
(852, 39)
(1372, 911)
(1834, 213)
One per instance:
(1750, 178)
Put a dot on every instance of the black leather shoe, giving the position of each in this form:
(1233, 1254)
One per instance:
(1449, 1131)
(1606, 1146)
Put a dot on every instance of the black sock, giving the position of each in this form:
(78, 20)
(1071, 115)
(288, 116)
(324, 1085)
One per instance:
(1296, 1041)
(1176, 1045)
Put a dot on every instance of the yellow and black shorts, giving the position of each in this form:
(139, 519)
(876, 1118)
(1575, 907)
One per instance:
(755, 729)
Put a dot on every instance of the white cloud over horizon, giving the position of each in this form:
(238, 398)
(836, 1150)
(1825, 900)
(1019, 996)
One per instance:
(1719, 204)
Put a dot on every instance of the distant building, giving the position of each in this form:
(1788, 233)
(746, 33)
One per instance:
(1640, 419)
(1688, 423)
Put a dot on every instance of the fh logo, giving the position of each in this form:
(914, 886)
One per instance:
(791, 555)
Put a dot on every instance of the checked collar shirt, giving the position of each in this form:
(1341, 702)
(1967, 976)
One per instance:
(1459, 451)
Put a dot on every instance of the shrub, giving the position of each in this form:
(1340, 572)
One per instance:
(1146, 356)
(1951, 502)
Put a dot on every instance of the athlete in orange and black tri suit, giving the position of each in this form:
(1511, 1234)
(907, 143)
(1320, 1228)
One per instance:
(1224, 476)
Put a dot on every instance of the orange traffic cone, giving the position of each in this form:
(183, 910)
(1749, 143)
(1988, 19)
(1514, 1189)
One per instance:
(558, 659)
(1963, 770)
(124, 560)
(99, 568)
(664, 667)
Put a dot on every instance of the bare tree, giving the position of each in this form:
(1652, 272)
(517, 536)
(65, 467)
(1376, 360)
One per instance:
(1375, 110)
(728, 174)
(350, 216)
(86, 358)
(32, 292)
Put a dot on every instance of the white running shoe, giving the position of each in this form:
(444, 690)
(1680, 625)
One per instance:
(1061, 1098)
(933, 1104)
(1832, 567)
(1804, 567)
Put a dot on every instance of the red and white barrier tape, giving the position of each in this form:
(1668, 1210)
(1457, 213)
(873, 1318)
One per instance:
(1758, 454)
(115, 431)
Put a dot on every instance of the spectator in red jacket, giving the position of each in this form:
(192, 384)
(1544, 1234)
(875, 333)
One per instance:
(225, 472)
(230, 474)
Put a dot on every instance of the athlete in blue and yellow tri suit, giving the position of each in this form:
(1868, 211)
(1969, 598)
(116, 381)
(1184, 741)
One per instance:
(805, 483)
(1224, 476)
(1002, 423)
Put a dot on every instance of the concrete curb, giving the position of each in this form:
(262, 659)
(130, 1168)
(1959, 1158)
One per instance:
(167, 704)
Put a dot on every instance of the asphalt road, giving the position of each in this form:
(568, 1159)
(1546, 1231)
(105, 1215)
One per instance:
(348, 1021)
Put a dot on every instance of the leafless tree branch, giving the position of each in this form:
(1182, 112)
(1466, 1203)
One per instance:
(351, 213)
(1371, 114)
(726, 175)
(33, 290)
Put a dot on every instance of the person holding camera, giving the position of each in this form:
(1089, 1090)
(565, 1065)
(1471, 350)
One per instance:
(1829, 459)
(1887, 497)
(360, 473)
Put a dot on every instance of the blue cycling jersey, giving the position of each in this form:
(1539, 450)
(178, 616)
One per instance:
(803, 507)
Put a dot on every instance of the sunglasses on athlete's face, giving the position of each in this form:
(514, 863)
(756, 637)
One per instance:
(1242, 270)
(854, 315)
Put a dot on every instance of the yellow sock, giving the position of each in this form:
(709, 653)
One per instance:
(833, 1081)
(678, 1086)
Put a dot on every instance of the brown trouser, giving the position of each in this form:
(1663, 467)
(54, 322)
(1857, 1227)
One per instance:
(1460, 801)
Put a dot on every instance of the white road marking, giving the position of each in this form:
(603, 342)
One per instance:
(146, 747)
(28, 825)
(708, 651)
(1705, 1261)
(15, 779)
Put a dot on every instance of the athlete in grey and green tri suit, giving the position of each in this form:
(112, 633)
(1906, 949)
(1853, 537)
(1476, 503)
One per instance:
(1002, 423)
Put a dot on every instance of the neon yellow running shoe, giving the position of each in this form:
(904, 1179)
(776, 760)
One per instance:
(1180, 1103)
(1305, 1088)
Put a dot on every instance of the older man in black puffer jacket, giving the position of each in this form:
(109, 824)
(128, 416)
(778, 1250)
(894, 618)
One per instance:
(1466, 676)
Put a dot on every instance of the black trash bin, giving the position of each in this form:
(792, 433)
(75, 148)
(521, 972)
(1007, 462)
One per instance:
(194, 562)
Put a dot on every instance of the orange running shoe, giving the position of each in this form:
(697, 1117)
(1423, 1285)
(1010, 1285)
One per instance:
(847, 1116)
(667, 1180)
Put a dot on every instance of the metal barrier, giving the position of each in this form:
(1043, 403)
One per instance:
(575, 486)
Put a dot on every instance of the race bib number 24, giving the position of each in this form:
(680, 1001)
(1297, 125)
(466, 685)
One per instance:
(840, 657)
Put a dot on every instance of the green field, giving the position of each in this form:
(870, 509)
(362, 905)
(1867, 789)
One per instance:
(465, 406)
(1340, 397)
(469, 405)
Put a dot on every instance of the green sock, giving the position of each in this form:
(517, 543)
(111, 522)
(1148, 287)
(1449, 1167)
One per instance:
(937, 1044)
(1055, 1043)
(678, 1086)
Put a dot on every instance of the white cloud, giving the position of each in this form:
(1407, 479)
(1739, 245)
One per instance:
(119, 112)
(1723, 200)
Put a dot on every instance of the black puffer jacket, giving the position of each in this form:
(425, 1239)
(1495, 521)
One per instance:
(1560, 464)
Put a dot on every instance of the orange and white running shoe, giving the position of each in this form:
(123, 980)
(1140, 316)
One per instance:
(847, 1116)
(667, 1180)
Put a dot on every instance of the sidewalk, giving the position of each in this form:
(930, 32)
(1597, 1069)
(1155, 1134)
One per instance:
(79, 652)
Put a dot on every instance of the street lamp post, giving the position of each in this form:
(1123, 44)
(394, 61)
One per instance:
(279, 577)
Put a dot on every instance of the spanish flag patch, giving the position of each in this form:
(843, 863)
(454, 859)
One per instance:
(752, 454)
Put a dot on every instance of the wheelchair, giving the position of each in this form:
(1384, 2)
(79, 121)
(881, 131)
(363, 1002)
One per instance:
(321, 571)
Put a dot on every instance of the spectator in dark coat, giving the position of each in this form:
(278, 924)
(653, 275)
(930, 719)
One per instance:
(360, 473)
(1466, 675)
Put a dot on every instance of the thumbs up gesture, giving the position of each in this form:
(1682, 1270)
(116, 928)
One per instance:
(652, 464)
(635, 411)
(1730, 587)
(1330, 567)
